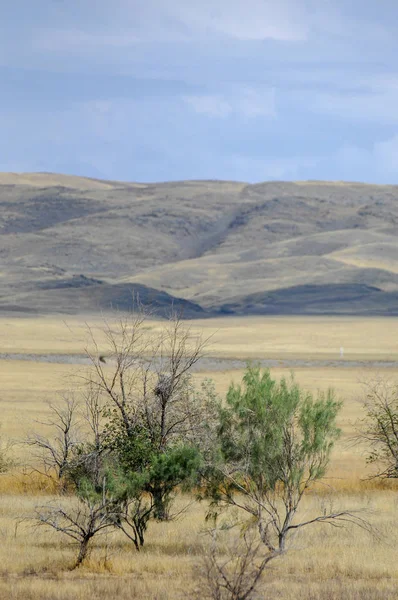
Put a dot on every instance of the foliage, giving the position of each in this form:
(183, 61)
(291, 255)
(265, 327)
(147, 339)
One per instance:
(177, 467)
(139, 432)
(274, 442)
(157, 423)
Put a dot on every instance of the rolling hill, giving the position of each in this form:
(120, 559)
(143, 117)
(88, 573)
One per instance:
(71, 244)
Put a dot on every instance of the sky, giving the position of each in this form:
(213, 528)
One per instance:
(156, 90)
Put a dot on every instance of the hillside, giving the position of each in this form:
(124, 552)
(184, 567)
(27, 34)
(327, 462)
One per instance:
(70, 244)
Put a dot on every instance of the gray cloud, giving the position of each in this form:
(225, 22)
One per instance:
(222, 88)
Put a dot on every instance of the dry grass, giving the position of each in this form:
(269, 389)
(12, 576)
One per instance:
(233, 337)
(35, 563)
(324, 563)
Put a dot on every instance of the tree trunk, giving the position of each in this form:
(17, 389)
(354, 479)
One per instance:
(82, 552)
(160, 504)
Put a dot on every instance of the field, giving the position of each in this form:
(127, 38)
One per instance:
(324, 563)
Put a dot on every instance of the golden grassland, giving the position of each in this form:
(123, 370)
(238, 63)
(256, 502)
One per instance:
(324, 562)
(363, 338)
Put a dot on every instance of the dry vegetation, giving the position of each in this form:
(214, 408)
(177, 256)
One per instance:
(324, 564)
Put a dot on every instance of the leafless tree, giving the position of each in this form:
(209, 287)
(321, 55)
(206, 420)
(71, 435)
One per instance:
(170, 411)
(232, 570)
(92, 451)
(81, 521)
(54, 453)
(379, 427)
(147, 375)
(119, 379)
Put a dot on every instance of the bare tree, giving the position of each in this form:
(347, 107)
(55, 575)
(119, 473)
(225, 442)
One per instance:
(119, 379)
(147, 375)
(170, 411)
(379, 427)
(92, 452)
(81, 521)
(54, 453)
(232, 571)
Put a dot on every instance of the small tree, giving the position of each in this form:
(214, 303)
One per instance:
(151, 403)
(103, 496)
(232, 572)
(82, 520)
(379, 427)
(274, 443)
(51, 454)
(144, 431)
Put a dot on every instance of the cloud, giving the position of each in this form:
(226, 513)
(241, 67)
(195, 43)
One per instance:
(214, 106)
(377, 107)
(249, 20)
(123, 23)
(156, 21)
(265, 88)
(253, 103)
(249, 103)
(227, 39)
(78, 40)
(374, 100)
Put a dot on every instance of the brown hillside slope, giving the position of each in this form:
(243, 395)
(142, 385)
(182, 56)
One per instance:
(75, 244)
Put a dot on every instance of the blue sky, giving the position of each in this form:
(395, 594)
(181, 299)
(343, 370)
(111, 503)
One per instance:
(156, 90)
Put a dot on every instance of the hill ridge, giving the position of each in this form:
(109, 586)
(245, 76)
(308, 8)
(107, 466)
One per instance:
(216, 244)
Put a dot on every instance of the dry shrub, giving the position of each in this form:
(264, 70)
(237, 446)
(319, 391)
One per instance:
(233, 564)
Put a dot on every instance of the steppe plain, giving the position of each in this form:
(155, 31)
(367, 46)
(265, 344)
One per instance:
(282, 273)
(324, 563)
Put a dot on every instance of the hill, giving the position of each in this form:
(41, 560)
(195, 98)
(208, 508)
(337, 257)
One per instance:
(70, 244)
